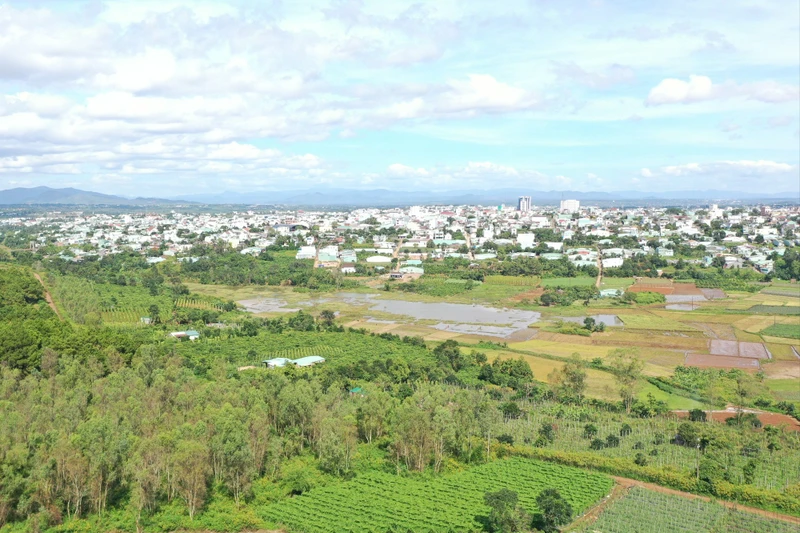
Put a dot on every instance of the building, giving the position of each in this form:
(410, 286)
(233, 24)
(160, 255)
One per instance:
(570, 206)
(526, 240)
(524, 204)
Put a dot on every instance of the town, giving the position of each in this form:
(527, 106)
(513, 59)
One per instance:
(396, 241)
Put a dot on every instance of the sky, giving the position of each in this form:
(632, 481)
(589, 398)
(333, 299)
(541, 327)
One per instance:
(166, 98)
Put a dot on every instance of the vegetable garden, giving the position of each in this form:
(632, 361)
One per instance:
(380, 502)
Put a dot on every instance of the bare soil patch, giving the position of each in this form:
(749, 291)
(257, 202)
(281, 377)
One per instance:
(772, 419)
(686, 289)
(783, 370)
(714, 294)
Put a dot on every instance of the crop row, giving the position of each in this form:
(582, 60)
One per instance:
(380, 502)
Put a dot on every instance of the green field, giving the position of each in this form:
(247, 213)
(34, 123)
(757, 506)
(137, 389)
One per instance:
(380, 502)
(515, 281)
(789, 331)
(646, 511)
(775, 309)
(654, 323)
(568, 282)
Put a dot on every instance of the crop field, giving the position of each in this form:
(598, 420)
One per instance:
(128, 316)
(196, 304)
(615, 283)
(568, 282)
(775, 309)
(654, 323)
(380, 502)
(515, 281)
(789, 331)
(304, 351)
(781, 351)
(646, 511)
(647, 435)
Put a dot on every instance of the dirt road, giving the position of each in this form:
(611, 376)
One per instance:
(48, 297)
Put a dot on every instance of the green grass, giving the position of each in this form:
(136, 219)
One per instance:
(380, 502)
(615, 283)
(516, 281)
(653, 323)
(789, 331)
(775, 309)
(646, 511)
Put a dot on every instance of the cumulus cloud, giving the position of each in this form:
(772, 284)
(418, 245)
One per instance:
(744, 167)
(701, 88)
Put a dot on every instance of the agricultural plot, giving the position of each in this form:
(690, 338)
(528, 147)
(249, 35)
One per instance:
(381, 502)
(568, 282)
(128, 316)
(751, 350)
(646, 511)
(514, 281)
(196, 304)
(721, 361)
(789, 331)
(654, 323)
(775, 309)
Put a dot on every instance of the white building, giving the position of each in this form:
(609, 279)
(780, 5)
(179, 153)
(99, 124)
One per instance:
(570, 206)
(524, 204)
(526, 240)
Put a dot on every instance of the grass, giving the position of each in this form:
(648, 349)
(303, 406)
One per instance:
(615, 283)
(654, 323)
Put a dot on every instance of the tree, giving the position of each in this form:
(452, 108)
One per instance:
(505, 515)
(554, 510)
(327, 317)
(569, 382)
(627, 369)
(154, 314)
(190, 464)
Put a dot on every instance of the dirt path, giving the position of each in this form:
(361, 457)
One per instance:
(49, 298)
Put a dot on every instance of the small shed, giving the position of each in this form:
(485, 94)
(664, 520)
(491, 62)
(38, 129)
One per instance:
(276, 362)
(310, 360)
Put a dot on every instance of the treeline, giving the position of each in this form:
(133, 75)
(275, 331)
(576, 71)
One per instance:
(459, 268)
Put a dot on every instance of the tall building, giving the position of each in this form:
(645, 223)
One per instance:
(524, 204)
(570, 206)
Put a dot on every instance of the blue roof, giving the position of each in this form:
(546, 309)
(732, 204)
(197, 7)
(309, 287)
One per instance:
(308, 360)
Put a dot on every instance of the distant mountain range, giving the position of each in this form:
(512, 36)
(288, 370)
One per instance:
(384, 197)
(70, 196)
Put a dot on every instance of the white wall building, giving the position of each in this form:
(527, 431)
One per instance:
(570, 206)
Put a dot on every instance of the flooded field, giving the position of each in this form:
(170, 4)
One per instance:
(457, 318)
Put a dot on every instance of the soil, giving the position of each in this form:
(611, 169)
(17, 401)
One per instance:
(686, 289)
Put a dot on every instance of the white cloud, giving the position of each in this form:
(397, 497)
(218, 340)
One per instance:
(701, 88)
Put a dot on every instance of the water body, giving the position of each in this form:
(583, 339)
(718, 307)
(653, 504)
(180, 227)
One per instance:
(607, 320)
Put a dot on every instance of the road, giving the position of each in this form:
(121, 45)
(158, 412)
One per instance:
(469, 246)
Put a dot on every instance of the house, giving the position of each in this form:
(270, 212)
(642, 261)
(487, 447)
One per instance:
(348, 268)
(612, 262)
(190, 334)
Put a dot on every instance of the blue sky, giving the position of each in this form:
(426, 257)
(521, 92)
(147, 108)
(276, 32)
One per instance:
(169, 97)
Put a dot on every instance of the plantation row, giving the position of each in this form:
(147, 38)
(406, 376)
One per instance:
(645, 511)
(304, 351)
(197, 304)
(380, 502)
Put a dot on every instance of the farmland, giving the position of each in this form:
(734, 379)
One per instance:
(383, 502)
(646, 511)
(654, 323)
(788, 331)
